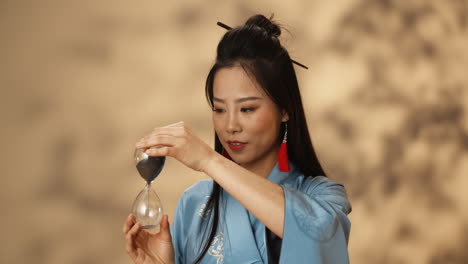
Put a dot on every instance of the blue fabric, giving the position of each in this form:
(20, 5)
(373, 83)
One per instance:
(316, 226)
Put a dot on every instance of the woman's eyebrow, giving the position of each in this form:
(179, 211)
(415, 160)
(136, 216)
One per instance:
(240, 100)
(250, 98)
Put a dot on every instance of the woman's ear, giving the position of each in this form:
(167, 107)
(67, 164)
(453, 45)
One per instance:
(284, 116)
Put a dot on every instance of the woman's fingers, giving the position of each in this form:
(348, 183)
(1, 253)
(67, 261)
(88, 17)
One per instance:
(178, 124)
(177, 141)
(128, 230)
(174, 131)
(162, 137)
(168, 130)
(156, 140)
(159, 152)
(128, 223)
(130, 241)
(164, 224)
(140, 256)
(165, 228)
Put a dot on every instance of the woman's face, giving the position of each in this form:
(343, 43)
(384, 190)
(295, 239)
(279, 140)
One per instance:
(245, 119)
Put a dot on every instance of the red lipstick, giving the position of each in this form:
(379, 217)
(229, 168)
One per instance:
(235, 145)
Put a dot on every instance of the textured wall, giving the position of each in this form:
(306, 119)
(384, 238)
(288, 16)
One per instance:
(81, 81)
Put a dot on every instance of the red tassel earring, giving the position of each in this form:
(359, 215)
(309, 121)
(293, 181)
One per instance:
(283, 163)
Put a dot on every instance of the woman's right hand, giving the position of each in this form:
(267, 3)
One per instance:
(146, 248)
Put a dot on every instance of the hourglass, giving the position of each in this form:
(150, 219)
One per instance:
(147, 207)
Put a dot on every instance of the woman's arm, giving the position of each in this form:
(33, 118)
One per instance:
(263, 198)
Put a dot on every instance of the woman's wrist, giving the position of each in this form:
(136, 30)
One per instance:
(211, 163)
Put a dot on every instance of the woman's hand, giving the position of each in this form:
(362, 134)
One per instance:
(177, 141)
(146, 248)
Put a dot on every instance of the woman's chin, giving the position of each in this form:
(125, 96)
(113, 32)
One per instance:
(238, 160)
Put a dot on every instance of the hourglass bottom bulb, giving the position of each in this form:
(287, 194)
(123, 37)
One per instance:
(147, 208)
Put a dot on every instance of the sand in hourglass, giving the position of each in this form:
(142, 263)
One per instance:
(150, 167)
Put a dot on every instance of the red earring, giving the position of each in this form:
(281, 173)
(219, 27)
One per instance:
(283, 163)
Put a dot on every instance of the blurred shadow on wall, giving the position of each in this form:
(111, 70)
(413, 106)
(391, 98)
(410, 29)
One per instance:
(415, 56)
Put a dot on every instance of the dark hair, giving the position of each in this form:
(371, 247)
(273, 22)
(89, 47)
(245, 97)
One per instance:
(256, 48)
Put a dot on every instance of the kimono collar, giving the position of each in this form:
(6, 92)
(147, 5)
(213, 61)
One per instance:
(240, 234)
(278, 176)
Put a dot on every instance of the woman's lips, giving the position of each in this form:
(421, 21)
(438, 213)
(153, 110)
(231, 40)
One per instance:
(236, 145)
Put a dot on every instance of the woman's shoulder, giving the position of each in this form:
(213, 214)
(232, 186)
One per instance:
(323, 188)
(197, 193)
(203, 186)
(190, 208)
(312, 184)
(328, 190)
(321, 183)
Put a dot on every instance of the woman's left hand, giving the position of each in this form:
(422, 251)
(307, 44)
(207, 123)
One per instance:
(178, 141)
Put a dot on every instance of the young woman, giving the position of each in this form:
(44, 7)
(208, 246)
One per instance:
(268, 199)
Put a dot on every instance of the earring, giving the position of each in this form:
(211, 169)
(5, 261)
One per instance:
(283, 163)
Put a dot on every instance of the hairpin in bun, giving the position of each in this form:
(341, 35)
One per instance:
(229, 28)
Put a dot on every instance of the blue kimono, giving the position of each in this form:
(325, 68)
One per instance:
(316, 226)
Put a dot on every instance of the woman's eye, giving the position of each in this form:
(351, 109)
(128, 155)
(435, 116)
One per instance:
(218, 110)
(247, 109)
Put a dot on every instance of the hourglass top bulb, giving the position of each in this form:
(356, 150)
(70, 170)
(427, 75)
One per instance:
(148, 167)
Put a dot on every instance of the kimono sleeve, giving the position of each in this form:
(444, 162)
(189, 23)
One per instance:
(316, 226)
(177, 232)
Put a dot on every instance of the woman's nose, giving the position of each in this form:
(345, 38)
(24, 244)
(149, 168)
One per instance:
(233, 125)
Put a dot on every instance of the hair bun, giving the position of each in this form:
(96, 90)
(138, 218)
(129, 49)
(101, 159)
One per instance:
(261, 21)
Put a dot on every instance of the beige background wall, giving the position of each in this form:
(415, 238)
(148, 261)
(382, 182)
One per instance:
(386, 99)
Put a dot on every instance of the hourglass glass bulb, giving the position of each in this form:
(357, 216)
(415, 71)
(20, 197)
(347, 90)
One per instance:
(148, 167)
(147, 208)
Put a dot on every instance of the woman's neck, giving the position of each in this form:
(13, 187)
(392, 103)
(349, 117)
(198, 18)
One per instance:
(264, 165)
